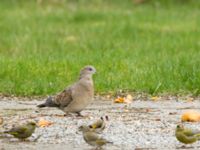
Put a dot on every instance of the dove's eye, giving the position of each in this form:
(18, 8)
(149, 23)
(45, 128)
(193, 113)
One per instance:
(90, 69)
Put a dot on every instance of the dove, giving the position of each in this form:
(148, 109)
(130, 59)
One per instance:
(23, 131)
(76, 97)
(92, 138)
(186, 136)
(99, 125)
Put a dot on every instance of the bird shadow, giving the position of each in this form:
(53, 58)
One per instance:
(186, 147)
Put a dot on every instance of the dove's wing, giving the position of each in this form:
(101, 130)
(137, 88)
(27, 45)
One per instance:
(64, 98)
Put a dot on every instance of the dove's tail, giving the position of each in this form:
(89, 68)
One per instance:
(49, 103)
(41, 105)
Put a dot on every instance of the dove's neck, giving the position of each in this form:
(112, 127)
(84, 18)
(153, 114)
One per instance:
(86, 79)
(82, 75)
(86, 76)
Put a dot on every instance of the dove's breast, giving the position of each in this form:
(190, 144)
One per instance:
(82, 95)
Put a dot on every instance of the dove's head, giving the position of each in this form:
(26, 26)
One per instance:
(87, 71)
(84, 128)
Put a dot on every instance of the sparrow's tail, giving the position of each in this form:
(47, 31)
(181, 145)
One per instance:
(198, 136)
(49, 103)
(103, 141)
(109, 142)
(5, 132)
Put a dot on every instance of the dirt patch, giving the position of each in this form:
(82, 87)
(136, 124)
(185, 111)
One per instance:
(141, 124)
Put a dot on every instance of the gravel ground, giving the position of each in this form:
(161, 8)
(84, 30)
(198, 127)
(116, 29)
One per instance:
(139, 125)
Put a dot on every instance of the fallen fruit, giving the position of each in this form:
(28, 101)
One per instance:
(44, 123)
(119, 100)
(155, 98)
(191, 116)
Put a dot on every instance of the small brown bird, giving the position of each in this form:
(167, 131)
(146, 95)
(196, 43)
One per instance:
(186, 136)
(22, 132)
(92, 138)
(99, 125)
(77, 96)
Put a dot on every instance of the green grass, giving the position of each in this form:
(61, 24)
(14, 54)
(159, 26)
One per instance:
(153, 47)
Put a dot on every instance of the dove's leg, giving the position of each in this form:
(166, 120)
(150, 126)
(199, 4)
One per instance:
(68, 115)
(72, 115)
(79, 114)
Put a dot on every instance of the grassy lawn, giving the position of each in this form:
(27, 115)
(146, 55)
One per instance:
(154, 47)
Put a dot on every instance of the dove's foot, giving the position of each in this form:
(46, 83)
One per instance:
(79, 114)
(72, 115)
(68, 115)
